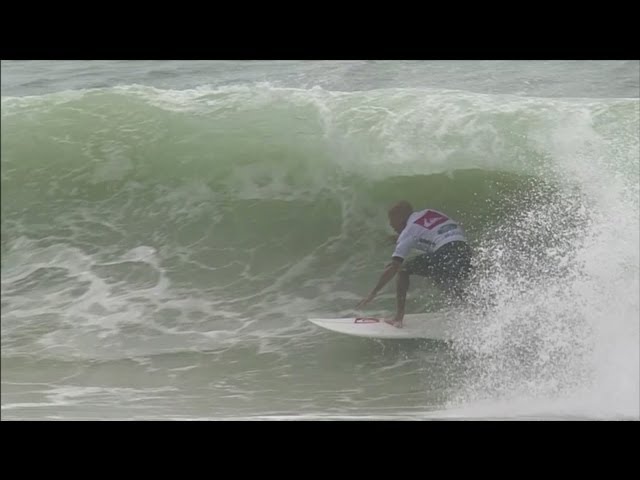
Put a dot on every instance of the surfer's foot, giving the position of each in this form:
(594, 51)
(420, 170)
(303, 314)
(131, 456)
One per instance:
(394, 323)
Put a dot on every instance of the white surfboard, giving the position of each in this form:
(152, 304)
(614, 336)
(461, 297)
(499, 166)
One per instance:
(436, 326)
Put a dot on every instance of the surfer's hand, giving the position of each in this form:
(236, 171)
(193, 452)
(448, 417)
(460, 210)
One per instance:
(365, 301)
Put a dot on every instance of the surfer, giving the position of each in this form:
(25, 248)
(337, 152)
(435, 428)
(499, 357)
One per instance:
(446, 258)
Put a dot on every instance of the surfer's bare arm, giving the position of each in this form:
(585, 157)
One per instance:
(389, 272)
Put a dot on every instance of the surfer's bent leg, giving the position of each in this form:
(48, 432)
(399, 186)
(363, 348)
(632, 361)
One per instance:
(453, 268)
(419, 265)
(402, 285)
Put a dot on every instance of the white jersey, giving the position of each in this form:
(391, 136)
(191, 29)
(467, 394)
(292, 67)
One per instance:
(427, 230)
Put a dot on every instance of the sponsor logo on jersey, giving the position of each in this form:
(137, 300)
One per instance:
(431, 219)
(447, 228)
(426, 243)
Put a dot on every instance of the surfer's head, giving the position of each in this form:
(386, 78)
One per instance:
(399, 214)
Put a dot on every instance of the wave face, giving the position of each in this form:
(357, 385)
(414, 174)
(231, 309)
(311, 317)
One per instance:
(141, 225)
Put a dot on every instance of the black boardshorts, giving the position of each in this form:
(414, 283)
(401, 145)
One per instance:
(449, 266)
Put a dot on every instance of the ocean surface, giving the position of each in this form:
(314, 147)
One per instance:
(169, 226)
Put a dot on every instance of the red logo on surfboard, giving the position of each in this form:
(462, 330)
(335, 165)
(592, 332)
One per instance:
(366, 320)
